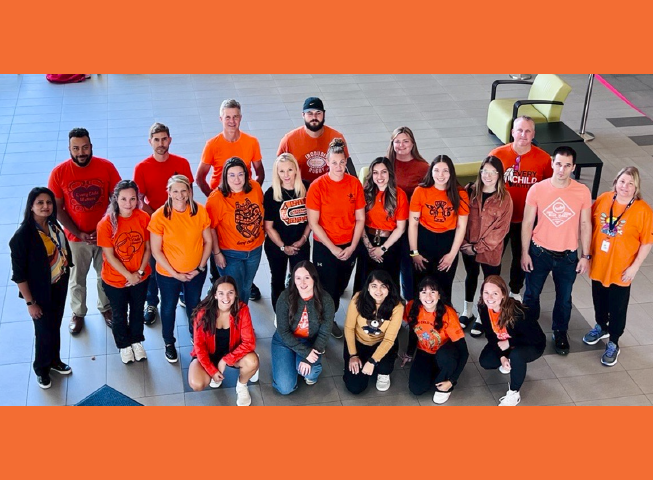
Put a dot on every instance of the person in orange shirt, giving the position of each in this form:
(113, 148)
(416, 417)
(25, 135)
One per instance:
(236, 213)
(336, 214)
(151, 175)
(622, 237)
(441, 348)
(180, 237)
(386, 215)
(125, 243)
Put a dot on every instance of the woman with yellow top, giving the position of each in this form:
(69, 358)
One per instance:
(371, 327)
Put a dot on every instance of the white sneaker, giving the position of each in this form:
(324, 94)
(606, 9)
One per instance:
(139, 352)
(310, 382)
(215, 384)
(516, 296)
(383, 383)
(127, 355)
(511, 399)
(254, 379)
(441, 398)
(243, 399)
(505, 371)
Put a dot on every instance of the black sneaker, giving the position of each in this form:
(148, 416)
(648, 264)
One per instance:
(61, 368)
(44, 381)
(254, 294)
(150, 315)
(466, 321)
(561, 342)
(182, 300)
(336, 331)
(171, 353)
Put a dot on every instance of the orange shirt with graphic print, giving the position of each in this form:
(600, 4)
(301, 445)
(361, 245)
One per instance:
(238, 218)
(128, 245)
(302, 327)
(429, 339)
(634, 229)
(218, 150)
(182, 241)
(501, 333)
(377, 217)
(435, 208)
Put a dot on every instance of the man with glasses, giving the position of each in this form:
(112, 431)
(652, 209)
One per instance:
(524, 165)
(309, 144)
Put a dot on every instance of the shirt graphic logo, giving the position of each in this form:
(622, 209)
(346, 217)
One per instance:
(127, 244)
(316, 162)
(605, 222)
(440, 211)
(85, 194)
(248, 218)
(558, 213)
(293, 212)
(518, 178)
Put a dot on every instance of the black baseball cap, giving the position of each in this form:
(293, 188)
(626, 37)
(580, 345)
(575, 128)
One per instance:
(313, 103)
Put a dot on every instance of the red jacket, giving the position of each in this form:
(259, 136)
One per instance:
(487, 226)
(241, 341)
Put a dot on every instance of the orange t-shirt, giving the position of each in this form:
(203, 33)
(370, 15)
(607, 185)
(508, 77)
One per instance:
(218, 150)
(337, 203)
(302, 327)
(152, 178)
(436, 211)
(85, 191)
(181, 238)
(310, 152)
(429, 339)
(238, 218)
(128, 245)
(633, 230)
(501, 333)
(533, 167)
(377, 217)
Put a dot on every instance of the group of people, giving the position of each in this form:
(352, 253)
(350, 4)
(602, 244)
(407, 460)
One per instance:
(402, 229)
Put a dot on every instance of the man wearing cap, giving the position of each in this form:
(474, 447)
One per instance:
(309, 144)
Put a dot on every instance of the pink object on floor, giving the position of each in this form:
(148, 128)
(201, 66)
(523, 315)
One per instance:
(617, 93)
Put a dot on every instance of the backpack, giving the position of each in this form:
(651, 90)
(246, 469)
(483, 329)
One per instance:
(65, 77)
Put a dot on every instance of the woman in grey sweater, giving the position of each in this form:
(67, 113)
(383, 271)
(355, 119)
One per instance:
(305, 313)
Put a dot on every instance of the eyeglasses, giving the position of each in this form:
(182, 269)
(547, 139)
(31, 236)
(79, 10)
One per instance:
(517, 160)
(489, 173)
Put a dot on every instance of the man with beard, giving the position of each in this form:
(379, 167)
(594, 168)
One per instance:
(524, 165)
(152, 175)
(82, 186)
(309, 144)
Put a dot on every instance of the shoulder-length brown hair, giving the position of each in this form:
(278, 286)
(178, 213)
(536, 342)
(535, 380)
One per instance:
(510, 308)
(477, 188)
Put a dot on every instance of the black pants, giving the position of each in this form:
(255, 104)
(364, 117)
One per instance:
(406, 267)
(434, 246)
(127, 305)
(519, 357)
(357, 384)
(334, 273)
(428, 369)
(517, 275)
(279, 265)
(391, 263)
(47, 329)
(473, 268)
(610, 308)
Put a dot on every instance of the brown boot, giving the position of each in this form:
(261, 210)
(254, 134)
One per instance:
(76, 324)
(108, 318)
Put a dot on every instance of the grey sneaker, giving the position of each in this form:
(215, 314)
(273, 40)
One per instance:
(609, 358)
(595, 335)
(336, 331)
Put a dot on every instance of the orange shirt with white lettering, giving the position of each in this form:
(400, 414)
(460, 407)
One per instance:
(238, 218)
(337, 203)
(377, 217)
(501, 333)
(128, 245)
(218, 150)
(436, 210)
(429, 339)
(302, 327)
(182, 241)
(634, 229)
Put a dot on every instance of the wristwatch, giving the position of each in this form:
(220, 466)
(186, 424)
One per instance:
(141, 272)
(283, 248)
(201, 269)
(29, 304)
(414, 253)
(586, 257)
(383, 249)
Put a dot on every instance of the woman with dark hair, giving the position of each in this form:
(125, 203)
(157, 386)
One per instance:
(286, 222)
(236, 212)
(41, 261)
(180, 238)
(125, 243)
(441, 348)
(513, 338)
(490, 210)
(386, 215)
(437, 225)
(371, 327)
(410, 169)
(305, 314)
(224, 337)
(336, 214)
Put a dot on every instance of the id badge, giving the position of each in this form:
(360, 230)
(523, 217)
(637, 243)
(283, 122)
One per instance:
(605, 246)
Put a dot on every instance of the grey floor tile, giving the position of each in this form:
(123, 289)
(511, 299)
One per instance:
(222, 396)
(127, 379)
(600, 386)
(89, 374)
(174, 400)
(468, 396)
(634, 401)
(577, 364)
(161, 377)
(643, 379)
(92, 340)
(323, 391)
(16, 342)
(539, 392)
(13, 383)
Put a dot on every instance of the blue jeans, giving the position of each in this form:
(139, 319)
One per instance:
(285, 366)
(170, 289)
(153, 286)
(564, 275)
(242, 266)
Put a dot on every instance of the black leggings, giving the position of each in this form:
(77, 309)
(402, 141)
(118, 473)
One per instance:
(357, 384)
(610, 308)
(519, 357)
(279, 262)
(391, 263)
(429, 369)
(434, 246)
(334, 274)
(473, 268)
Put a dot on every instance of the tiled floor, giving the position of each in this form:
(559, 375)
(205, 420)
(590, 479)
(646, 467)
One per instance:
(447, 113)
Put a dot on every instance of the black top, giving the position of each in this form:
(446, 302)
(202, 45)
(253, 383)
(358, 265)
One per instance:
(525, 332)
(222, 337)
(485, 197)
(289, 216)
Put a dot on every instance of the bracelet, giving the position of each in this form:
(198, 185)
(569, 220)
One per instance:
(414, 253)
(352, 356)
(218, 253)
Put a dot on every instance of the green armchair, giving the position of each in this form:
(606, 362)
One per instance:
(544, 104)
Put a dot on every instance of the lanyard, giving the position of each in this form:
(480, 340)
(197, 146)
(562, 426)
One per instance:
(56, 242)
(611, 224)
